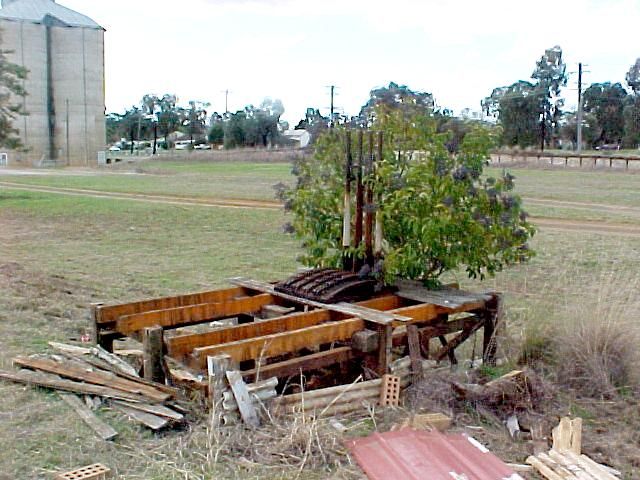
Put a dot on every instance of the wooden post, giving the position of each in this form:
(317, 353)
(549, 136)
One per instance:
(347, 261)
(153, 354)
(357, 263)
(385, 333)
(105, 341)
(217, 368)
(368, 227)
(492, 323)
(413, 339)
(241, 394)
(378, 234)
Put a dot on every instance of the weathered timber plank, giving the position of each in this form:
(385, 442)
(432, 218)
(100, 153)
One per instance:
(279, 343)
(104, 366)
(385, 343)
(445, 297)
(154, 422)
(241, 394)
(180, 316)
(56, 383)
(159, 410)
(350, 309)
(182, 345)
(104, 431)
(103, 378)
(111, 313)
(305, 363)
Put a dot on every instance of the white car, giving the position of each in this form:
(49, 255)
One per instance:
(202, 146)
(182, 145)
(114, 148)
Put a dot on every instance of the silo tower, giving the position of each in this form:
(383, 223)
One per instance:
(63, 51)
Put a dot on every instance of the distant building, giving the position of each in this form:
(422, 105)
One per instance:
(302, 138)
(64, 54)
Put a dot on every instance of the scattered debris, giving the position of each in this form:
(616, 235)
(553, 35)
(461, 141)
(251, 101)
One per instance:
(97, 471)
(99, 375)
(565, 461)
(426, 421)
(416, 455)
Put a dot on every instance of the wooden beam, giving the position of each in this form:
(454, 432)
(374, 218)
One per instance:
(104, 431)
(305, 363)
(152, 348)
(241, 394)
(413, 338)
(111, 313)
(279, 343)
(180, 316)
(182, 345)
(385, 343)
(106, 379)
(350, 309)
(493, 317)
(455, 342)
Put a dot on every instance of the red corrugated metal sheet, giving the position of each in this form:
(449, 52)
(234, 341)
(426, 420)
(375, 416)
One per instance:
(408, 454)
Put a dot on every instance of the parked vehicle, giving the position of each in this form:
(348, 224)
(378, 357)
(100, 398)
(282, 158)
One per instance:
(202, 146)
(183, 145)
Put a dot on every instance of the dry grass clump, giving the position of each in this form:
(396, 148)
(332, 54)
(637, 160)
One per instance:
(589, 341)
(597, 347)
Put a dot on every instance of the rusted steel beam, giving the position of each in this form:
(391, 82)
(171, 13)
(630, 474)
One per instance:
(280, 343)
(175, 317)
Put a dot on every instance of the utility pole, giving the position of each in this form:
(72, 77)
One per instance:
(333, 88)
(226, 101)
(579, 135)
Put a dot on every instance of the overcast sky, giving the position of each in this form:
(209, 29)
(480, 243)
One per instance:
(294, 49)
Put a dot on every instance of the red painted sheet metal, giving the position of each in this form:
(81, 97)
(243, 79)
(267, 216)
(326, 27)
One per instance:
(409, 454)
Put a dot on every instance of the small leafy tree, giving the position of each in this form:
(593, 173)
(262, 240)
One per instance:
(11, 76)
(439, 211)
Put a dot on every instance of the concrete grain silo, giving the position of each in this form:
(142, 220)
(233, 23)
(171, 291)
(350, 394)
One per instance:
(64, 54)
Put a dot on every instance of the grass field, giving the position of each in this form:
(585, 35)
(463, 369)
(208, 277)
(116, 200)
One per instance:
(59, 253)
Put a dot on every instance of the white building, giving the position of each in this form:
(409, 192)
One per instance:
(64, 54)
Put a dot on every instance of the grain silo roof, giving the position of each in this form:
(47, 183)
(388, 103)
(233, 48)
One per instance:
(36, 11)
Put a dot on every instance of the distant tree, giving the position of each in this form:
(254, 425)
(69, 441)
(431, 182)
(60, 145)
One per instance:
(518, 108)
(216, 130)
(606, 101)
(633, 77)
(531, 111)
(631, 112)
(400, 97)
(254, 127)
(195, 118)
(11, 77)
(170, 116)
(314, 123)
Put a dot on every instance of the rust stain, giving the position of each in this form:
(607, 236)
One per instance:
(409, 454)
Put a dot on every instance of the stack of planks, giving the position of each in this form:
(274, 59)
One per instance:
(88, 378)
(565, 461)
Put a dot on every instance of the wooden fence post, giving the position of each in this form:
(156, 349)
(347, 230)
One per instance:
(385, 343)
(104, 342)
(492, 325)
(217, 368)
(153, 354)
